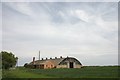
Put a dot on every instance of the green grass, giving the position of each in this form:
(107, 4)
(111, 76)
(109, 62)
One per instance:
(85, 72)
(0, 73)
(22, 73)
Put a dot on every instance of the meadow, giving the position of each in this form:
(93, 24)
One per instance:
(85, 72)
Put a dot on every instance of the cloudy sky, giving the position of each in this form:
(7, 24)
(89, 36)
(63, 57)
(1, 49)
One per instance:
(87, 31)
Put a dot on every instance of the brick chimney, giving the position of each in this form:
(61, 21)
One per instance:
(60, 56)
(33, 60)
(55, 57)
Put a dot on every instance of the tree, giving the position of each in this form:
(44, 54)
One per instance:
(8, 60)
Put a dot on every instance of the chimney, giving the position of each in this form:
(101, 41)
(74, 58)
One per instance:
(42, 59)
(55, 57)
(60, 56)
(33, 60)
(46, 58)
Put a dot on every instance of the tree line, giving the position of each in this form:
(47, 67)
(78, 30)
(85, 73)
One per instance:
(9, 60)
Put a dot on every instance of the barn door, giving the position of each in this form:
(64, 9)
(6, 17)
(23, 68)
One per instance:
(71, 65)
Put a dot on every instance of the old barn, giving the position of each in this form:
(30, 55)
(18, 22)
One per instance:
(68, 62)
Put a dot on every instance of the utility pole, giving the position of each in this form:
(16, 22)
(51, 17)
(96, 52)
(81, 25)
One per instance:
(39, 55)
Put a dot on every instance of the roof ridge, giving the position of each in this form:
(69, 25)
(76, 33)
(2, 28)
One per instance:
(50, 59)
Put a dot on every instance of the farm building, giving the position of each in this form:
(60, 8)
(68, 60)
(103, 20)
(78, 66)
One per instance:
(68, 62)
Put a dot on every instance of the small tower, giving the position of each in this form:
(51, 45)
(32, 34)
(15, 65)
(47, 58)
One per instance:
(39, 55)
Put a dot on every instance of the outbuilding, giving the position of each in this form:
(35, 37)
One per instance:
(68, 62)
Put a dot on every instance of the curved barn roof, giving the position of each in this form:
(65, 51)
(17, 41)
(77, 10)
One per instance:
(68, 58)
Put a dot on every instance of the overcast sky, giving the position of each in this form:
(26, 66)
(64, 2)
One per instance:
(87, 31)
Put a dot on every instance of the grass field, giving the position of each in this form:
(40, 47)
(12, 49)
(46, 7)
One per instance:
(85, 72)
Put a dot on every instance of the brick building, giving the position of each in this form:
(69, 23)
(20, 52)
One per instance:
(68, 62)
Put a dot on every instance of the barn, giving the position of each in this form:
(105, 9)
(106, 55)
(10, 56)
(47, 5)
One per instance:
(68, 62)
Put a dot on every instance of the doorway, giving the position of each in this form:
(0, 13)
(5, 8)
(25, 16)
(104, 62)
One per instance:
(35, 66)
(71, 65)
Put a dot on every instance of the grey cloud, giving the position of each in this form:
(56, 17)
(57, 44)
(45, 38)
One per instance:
(51, 28)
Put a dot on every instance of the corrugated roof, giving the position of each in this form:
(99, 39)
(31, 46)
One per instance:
(54, 61)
